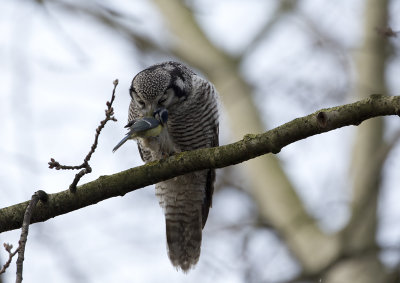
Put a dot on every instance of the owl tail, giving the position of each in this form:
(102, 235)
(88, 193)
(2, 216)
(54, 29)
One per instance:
(184, 238)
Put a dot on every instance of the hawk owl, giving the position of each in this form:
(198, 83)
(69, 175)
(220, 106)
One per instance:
(189, 120)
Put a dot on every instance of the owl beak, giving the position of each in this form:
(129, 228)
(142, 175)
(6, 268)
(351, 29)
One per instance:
(161, 114)
(149, 112)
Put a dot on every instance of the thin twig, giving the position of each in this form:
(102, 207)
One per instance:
(85, 165)
(386, 31)
(39, 195)
(11, 254)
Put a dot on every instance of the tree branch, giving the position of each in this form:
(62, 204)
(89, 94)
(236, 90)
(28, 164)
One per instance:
(25, 229)
(249, 147)
(11, 254)
(86, 169)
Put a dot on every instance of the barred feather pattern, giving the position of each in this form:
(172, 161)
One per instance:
(192, 124)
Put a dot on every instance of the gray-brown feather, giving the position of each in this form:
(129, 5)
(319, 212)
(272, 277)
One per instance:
(192, 124)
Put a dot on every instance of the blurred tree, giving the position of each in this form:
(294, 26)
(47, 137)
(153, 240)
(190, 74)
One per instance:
(273, 193)
(359, 235)
(268, 184)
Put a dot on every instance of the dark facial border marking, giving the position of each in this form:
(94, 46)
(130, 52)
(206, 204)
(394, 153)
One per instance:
(177, 82)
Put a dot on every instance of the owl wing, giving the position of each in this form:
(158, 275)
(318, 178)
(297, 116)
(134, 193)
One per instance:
(209, 189)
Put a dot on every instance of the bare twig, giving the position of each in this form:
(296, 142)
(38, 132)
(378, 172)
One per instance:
(386, 31)
(39, 195)
(122, 23)
(284, 8)
(11, 254)
(85, 165)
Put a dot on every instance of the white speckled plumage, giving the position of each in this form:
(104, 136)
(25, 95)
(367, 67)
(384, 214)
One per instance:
(192, 107)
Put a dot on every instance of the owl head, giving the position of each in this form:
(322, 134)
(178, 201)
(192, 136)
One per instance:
(164, 85)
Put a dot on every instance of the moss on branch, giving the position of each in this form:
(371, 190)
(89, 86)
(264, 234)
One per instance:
(249, 147)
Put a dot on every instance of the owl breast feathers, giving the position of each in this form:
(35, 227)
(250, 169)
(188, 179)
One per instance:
(191, 103)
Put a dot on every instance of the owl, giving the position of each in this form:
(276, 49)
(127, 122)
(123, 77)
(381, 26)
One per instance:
(183, 107)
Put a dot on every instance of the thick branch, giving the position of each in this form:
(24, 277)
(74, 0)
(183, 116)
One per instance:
(249, 147)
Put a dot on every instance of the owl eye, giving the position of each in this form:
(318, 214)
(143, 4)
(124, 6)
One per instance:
(140, 102)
